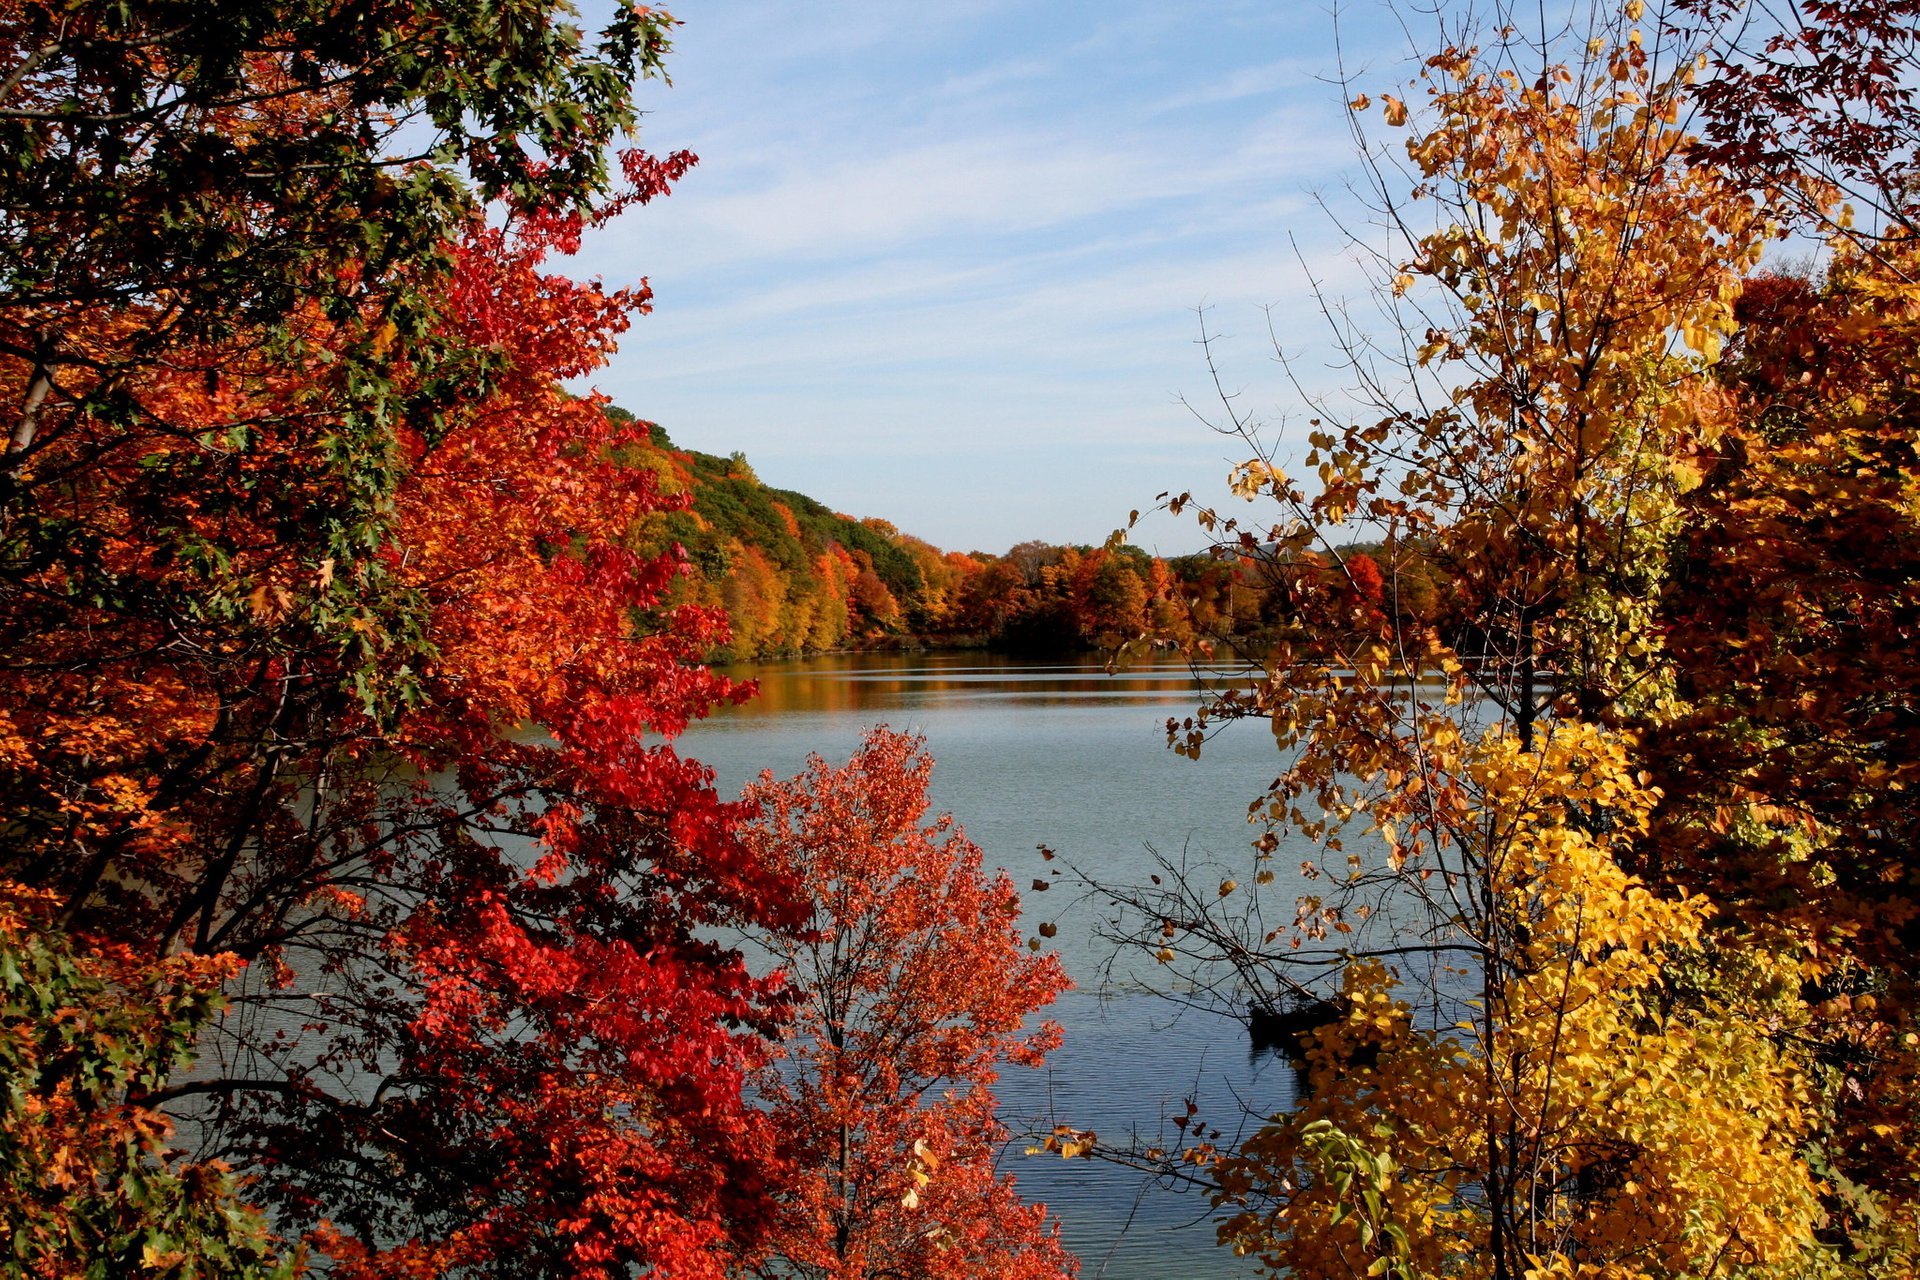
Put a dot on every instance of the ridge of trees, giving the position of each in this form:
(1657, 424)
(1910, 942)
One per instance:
(793, 576)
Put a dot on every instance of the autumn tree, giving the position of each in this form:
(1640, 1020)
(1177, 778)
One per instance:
(1602, 1116)
(194, 187)
(1816, 105)
(88, 1186)
(1788, 765)
(1500, 977)
(333, 667)
(913, 988)
(217, 166)
(1108, 595)
(482, 932)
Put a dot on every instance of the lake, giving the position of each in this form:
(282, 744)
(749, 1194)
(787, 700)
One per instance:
(1070, 757)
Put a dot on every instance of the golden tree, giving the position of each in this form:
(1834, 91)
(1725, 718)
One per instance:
(1533, 1047)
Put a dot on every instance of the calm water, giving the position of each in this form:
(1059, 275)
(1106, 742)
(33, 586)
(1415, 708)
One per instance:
(1069, 757)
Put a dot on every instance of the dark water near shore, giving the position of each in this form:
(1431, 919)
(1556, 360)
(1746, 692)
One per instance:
(1066, 756)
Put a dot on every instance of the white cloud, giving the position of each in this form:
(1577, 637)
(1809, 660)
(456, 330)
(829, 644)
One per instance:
(940, 265)
(1284, 75)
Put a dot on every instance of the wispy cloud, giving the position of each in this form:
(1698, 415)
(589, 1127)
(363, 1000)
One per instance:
(1283, 76)
(939, 265)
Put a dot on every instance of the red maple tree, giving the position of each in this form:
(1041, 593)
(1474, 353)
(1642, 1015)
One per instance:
(913, 988)
(426, 797)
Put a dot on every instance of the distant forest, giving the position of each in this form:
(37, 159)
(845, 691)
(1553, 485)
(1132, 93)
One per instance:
(794, 577)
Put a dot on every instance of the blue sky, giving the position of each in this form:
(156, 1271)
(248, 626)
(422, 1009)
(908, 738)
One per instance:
(939, 263)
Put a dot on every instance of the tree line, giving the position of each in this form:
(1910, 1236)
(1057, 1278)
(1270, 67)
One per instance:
(792, 577)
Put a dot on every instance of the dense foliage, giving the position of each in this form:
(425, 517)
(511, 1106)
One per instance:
(89, 1188)
(916, 990)
(1606, 969)
(338, 697)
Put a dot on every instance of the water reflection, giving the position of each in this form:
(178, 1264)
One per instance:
(850, 684)
(855, 683)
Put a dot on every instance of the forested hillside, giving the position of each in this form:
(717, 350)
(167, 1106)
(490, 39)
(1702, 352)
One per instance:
(793, 576)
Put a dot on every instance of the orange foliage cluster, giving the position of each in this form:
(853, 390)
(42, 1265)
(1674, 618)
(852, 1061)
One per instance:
(339, 688)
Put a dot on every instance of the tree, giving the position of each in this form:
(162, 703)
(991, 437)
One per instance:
(912, 988)
(1108, 598)
(193, 188)
(279, 638)
(1619, 1126)
(1502, 960)
(1817, 106)
(484, 932)
(87, 1188)
(216, 167)
(530, 921)
(1789, 614)
(1789, 609)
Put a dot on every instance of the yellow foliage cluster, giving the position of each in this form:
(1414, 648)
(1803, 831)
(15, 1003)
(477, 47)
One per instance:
(1622, 1128)
(1640, 813)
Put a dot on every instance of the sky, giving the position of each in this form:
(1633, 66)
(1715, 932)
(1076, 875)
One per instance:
(941, 263)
